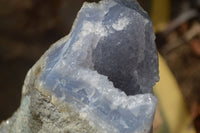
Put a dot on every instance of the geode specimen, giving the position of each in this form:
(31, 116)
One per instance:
(98, 79)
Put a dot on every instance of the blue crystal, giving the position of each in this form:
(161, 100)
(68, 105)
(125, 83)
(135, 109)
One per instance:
(106, 67)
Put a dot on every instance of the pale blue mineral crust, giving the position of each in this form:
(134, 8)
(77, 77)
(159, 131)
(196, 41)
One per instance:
(110, 48)
(104, 69)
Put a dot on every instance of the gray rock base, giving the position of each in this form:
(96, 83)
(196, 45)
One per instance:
(38, 115)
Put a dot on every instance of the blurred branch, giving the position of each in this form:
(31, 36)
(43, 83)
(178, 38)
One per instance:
(187, 36)
(184, 17)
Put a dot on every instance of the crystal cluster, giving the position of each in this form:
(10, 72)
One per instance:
(102, 73)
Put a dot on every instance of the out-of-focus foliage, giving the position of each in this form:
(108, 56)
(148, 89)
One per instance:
(178, 39)
(175, 117)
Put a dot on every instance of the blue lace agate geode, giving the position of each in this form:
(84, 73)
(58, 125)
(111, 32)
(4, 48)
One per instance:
(109, 54)
(105, 69)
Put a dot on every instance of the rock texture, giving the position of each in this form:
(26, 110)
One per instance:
(99, 78)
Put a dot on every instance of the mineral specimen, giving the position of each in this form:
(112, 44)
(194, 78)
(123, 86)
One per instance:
(98, 79)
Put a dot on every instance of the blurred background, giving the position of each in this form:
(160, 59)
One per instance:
(29, 27)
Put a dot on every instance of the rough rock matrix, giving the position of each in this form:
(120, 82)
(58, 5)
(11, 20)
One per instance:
(98, 79)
